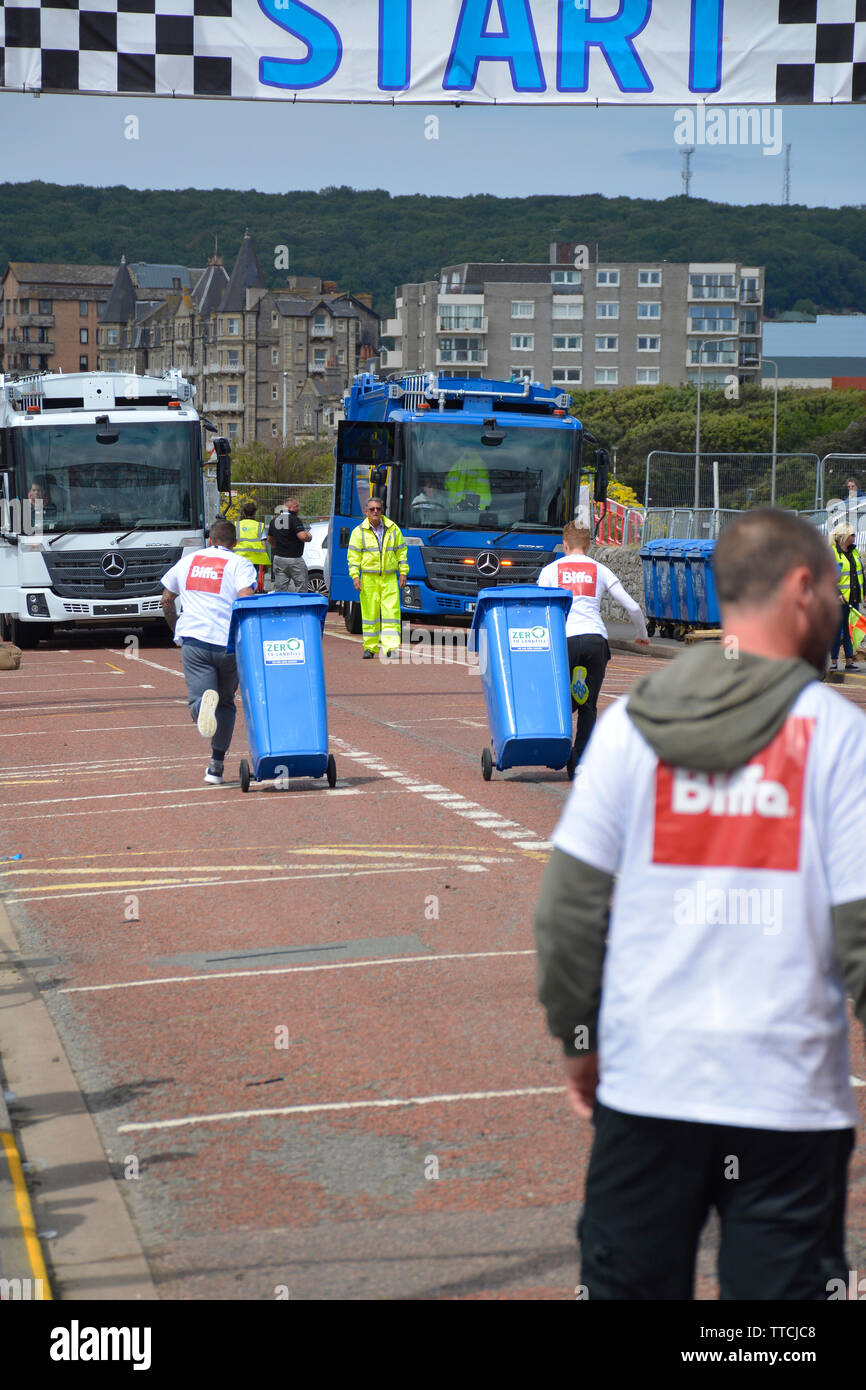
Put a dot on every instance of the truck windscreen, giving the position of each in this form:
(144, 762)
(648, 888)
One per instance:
(136, 475)
(452, 477)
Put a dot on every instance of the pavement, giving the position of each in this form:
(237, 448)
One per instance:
(286, 1044)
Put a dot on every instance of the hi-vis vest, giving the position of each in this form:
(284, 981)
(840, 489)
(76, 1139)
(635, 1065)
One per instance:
(842, 559)
(365, 557)
(251, 542)
(467, 475)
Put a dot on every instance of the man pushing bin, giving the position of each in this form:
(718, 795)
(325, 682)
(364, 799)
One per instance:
(378, 566)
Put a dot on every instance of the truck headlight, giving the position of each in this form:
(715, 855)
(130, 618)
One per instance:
(37, 606)
(411, 596)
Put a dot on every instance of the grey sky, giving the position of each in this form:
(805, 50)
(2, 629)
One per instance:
(508, 151)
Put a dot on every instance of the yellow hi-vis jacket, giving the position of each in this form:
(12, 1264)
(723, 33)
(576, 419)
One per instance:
(252, 541)
(365, 557)
(842, 558)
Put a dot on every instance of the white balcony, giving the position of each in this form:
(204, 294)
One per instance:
(391, 359)
(224, 369)
(711, 325)
(461, 325)
(713, 292)
(717, 357)
(392, 328)
(321, 330)
(222, 407)
(322, 365)
(450, 356)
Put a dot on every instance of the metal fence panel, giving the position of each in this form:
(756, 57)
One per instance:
(732, 482)
(314, 499)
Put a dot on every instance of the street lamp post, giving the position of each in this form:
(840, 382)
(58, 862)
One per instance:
(285, 380)
(701, 345)
(775, 365)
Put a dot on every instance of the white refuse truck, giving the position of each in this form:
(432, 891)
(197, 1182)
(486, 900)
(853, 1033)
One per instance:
(101, 491)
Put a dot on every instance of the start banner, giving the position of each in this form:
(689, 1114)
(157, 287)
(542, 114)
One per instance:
(554, 52)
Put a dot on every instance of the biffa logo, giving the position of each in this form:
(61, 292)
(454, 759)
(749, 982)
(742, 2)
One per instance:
(748, 819)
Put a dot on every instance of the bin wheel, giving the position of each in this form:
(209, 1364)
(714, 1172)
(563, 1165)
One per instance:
(650, 628)
(486, 764)
(331, 771)
(245, 775)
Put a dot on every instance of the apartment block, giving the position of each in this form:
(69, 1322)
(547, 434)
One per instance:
(581, 322)
(49, 316)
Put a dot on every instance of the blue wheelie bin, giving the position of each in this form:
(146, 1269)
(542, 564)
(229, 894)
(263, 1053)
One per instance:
(518, 631)
(703, 583)
(277, 639)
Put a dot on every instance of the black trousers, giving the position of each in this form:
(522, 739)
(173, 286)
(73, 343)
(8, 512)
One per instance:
(591, 653)
(651, 1183)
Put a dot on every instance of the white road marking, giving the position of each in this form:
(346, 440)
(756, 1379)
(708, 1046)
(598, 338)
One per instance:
(101, 729)
(431, 959)
(450, 801)
(855, 1081)
(228, 803)
(336, 1105)
(73, 689)
(142, 661)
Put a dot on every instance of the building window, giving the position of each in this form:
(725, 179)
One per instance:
(111, 336)
(649, 309)
(341, 323)
(274, 392)
(45, 306)
(299, 354)
(606, 376)
(233, 429)
(607, 277)
(565, 277)
(523, 308)
(112, 364)
(649, 277)
(274, 320)
(567, 311)
(233, 328)
(233, 395)
(607, 309)
(522, 342)
(233, 359)
(649, 344)
(341, 357)
(83, 307)
(82, 335)
(750, 290)
(275, 357)
(25, 306)
(299, 325)
(82, 364)
(567, 376)
(607, 344)
(647, 376)
(567, 342)
(521, 374)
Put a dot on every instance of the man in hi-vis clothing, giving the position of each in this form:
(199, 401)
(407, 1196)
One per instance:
(378, 567)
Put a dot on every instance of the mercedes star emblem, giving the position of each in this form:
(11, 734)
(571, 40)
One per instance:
(113, 565)
(487, 563)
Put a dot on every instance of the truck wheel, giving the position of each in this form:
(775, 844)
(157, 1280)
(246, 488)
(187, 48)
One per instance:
(244, 771)
(332, 771)
(25, 635)
(352, 617)
(486, 764)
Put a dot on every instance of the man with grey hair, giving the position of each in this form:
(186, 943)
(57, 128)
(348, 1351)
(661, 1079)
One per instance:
(701, 920)
(288, 534)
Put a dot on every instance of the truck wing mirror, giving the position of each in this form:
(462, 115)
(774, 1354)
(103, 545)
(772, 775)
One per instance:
(223, 465)
(602, 474)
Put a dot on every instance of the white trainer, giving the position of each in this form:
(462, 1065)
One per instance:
(206, 722)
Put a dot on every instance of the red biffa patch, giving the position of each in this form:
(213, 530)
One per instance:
(206, 573)
(747, 819)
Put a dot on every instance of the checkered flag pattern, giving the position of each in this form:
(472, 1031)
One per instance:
(136, 46)
(824, 46)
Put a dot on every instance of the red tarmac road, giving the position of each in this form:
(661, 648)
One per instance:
(309, 1014)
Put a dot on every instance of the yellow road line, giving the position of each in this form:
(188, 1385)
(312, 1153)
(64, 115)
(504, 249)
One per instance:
(25, 1215)
(115, 668)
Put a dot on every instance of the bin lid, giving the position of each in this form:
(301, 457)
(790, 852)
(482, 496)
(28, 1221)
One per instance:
(661, 549)
(276, 603)
(703, 548)
(518, 593)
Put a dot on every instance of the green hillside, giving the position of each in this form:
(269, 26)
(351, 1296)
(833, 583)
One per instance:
(367, 240)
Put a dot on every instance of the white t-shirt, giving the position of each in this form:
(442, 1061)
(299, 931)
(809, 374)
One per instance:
(721, 998)
(588, 581)
(209, 581)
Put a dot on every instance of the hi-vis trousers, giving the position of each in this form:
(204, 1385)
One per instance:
(380, 611)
